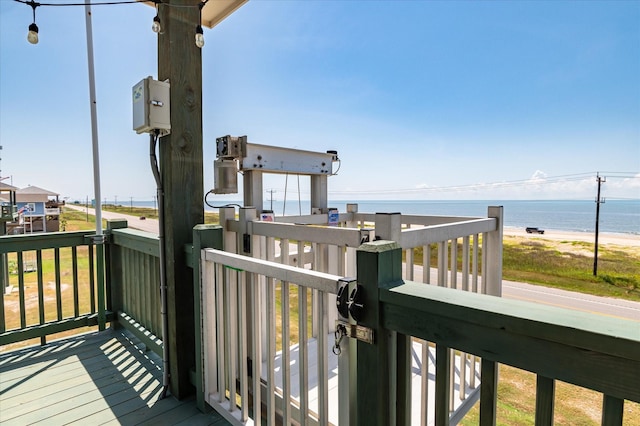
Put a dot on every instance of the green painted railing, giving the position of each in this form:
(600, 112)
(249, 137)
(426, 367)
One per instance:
(133, 274)
(60, 281)
(51, 283)
(588, 350)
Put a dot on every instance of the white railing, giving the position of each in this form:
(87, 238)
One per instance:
(467, 255)
(281, 366)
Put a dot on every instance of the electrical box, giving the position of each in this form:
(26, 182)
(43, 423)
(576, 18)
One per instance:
(151, 106)
(225, 178)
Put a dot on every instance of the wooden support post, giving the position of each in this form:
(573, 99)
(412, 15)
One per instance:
(488, 392)
(204, 236)
(612, 411)
(545, 395)
(388, 226)
(379, 264)
(443, 388)
(180, 62)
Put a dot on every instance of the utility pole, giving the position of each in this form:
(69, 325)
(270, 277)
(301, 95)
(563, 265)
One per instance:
(599, 201)
(271, 192)
(131, 204)
(115, 201)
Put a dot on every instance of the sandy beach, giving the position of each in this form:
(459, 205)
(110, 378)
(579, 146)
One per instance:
(627, 240)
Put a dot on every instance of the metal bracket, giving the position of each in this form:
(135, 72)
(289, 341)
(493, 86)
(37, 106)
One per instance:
(98, 239)
(359, 332)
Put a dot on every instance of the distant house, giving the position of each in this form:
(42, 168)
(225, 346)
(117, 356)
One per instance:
(7, 205)
(38, 209)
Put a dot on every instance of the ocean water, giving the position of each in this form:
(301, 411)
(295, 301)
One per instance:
(616, 216)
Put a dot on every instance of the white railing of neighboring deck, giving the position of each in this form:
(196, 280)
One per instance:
(468, 254)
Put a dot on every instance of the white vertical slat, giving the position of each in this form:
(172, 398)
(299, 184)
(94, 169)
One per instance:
(303, 355)
(242, 349)
(220, 326)
(474, 288)
(426, 264)
(442, 264)
(485, 235)
(424, 384)
(465, 263)
(465, 287)
(303, 348)
(269, 254)
(271, 352)
(256, 355)
(314, 295)
(323, 362)
(453, 283)
(452, 379)
(286, 337)
(409, 264)
(208, 288)
(474, 266)
(232, 332)
(445, 264)
(463, 376)
(454, 263)
(286, 352)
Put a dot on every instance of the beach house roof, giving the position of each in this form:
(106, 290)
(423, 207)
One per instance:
(34, 190)
(7, 187)
(34, 194)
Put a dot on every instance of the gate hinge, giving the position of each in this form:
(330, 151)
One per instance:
(355, 331)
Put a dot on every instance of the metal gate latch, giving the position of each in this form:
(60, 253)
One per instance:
(355, 331)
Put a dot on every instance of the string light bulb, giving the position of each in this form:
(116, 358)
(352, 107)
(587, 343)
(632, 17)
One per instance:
(199, 34)
(199, 37)
(32, 35)
(156, 27)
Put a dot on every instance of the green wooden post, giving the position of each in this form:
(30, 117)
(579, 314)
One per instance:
(612, 411)
(379, 264)
(181, 163)
(443, 379)
(204, 236)
(545, 393)
(488, 392)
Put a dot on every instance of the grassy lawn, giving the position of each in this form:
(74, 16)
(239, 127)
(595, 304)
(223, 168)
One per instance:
(569, 266)
(573, 405)
(566, 265)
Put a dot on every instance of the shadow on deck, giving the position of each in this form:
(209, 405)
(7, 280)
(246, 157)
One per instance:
(96, 378)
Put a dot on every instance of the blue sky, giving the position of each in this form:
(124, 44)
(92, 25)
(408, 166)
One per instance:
(425, 100)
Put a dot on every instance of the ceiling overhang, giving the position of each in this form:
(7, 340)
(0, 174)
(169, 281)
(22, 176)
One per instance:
(215, 11)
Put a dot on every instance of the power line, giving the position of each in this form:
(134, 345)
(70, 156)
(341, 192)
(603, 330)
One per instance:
(503, 184)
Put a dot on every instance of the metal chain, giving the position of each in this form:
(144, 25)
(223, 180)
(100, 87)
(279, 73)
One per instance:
(341, 331)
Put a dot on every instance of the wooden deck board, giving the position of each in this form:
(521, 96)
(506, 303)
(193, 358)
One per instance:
(98, 378)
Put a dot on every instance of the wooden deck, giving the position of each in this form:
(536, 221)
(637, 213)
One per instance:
(97, 378)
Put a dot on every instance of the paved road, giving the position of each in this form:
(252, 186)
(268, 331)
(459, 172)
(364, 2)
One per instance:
(568, 299)
(148, 225)
(511, 290)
